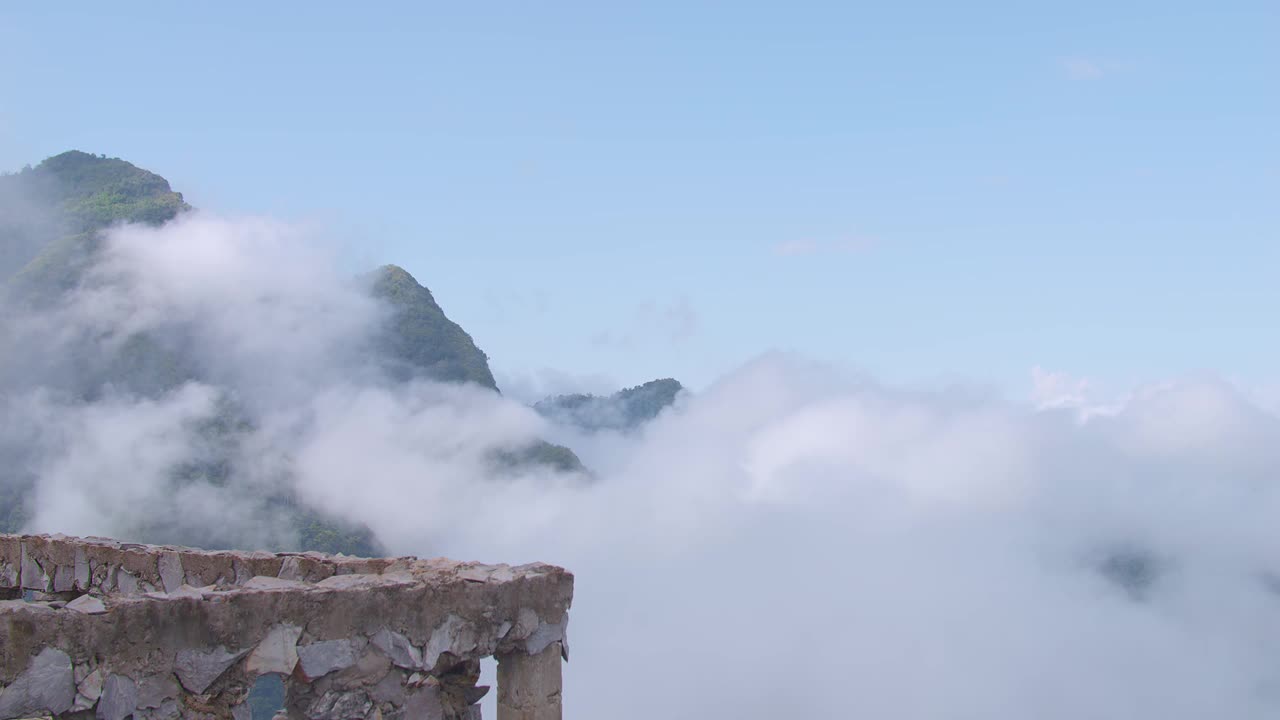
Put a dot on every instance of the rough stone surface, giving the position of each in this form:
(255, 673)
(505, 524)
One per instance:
(154, 690)
(372, 665)
(33, 575)
(91, 686)
(87, 604)
(48, 685)
(321, 658)
(277, 653)
(167, 710)
(197, 669)
(390, 689)
(81, 569)
(164, 632)
(64, 579)
(126, 582)
(529, 686)
(454, 636)
(398, 648)
(290, 569)
(426, 704)
(544, 635)
(119, 698)
(171, 575)
(335, 705)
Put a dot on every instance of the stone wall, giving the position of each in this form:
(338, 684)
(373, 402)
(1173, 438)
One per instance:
(97, 628)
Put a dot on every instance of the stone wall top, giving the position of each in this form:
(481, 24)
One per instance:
(59, 563)
(140, 611)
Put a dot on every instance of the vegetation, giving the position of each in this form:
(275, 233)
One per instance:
(52, 215)
(624, 410)
(329, 535)
(96, 191)
(51, 219)
(420, 340)
(13, 506)
(51, 222)
(541, 453)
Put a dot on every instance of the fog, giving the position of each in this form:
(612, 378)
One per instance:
(794, 540)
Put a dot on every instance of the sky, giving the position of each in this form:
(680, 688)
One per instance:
(921, 191)
(834, 222)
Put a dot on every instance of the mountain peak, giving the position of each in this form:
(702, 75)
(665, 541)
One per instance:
(75, 177)
(51, 216)
(421, 339)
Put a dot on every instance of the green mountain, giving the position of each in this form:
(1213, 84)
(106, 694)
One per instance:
(52, 219)
(624, 410)
(420, 339)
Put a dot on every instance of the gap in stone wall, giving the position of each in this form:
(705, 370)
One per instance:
(489, 676)
(267, 696)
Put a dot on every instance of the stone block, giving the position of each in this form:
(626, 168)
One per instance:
(87, 604)
(397, 647)
(277, 653)
(47, 686)
(529, 686)
(154, 690)
(321, 658)
(119, 698)
(198, 669)
(64, 578)
(170, 568)
(34, 576)
(8, 575)
(80, 570)
(336, 705)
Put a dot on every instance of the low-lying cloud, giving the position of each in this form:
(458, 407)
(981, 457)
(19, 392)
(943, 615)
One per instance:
(791, 541)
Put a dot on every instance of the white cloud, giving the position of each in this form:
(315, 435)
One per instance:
(531, 386)
(882, 544)
(1059, 391)
(791, 542)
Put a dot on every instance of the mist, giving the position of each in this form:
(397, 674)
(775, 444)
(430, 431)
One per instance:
(794, 540)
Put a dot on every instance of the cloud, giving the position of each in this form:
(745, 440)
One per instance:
(793, 541)
(531, 386)
(1059, 391)
(887, 541)
(279, 337)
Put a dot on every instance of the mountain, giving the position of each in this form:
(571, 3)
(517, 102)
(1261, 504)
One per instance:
(622, 411)
(420, 340)
(52, 219)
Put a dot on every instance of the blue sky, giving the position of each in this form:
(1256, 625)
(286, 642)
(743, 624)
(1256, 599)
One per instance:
(918, 190)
